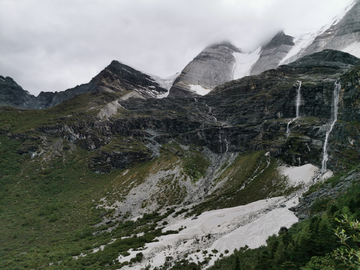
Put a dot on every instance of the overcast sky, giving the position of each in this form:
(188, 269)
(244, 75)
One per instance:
(52, 45)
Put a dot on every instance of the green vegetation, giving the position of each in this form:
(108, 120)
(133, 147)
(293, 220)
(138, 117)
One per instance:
(195, 165)
(48, 211)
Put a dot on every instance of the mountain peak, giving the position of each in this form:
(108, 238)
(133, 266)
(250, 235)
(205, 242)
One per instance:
(279, 39)
(212, 67)
(272, 53)
(226, 44)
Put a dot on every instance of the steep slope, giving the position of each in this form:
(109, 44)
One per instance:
(118, 77)
(14, 95)
(272, 54)
(212, 67)
(343, 35)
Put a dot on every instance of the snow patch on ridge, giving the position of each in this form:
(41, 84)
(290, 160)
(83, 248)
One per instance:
(200, 90)
(353, 49)
(301, 44)
(165, 83)
(244, 62)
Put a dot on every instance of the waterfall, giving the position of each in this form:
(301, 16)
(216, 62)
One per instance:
(298, 102)
(334, 113)
(223, 141)
(210, 112)
(220, 142)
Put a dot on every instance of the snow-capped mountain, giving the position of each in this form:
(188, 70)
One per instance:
(223, 62)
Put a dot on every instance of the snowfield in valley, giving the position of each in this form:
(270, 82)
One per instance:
(222, 231)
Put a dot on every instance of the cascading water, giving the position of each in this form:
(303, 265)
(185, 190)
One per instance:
(334, 114)
(223, 141)
(298, 103)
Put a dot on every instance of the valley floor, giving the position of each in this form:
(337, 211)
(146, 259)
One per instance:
(217, 233)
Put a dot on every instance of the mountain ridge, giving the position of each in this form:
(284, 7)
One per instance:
(215, 65)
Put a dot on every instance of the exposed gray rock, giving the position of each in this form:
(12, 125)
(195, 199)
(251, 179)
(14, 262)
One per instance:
(212, 67)
(14, 95)
(272, 54)
(340, 35)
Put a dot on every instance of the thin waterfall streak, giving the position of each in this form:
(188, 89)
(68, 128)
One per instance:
(298, 103)
(227, 145)
(298, 100)
(334, 110)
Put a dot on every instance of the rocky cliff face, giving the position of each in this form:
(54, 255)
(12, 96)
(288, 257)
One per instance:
(118, 77)
(14, 95)
(272, 54)
(248, 114)
(212, 67)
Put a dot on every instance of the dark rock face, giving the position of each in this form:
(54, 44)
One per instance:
(249, 114)
(303, 209)
(272, 54)
(212, 67)
(119, 77)
(104, 162)
(259, 107)
(14, 95)
(252, 113)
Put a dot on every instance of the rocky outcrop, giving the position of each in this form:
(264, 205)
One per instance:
(118, 77)
(212, 67)
(12, 94)
(326, 193)
(272, 53)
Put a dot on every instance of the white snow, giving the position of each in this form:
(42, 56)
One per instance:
(301, 44)
(244, 62)
(165, 83)
(353, 49)
(227, 229)
(298, 175)
(200, 90)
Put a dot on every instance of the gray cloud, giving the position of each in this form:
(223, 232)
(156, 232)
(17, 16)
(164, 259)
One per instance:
(54, 45)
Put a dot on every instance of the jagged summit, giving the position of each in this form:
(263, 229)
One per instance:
(272, 53)
(119, 77)
(279, 39)
(226, 44)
